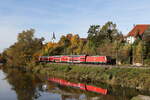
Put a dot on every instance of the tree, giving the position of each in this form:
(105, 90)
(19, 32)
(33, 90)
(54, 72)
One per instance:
(93, 34)
(22, 52)
(98, 36)
(146, 46)
(81, 47)
(110, 32)
(48, 47)
(74, 44)
(65, 41)
(93, 40)
(93, 31)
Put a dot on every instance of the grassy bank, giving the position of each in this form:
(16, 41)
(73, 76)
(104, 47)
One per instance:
(126, 77)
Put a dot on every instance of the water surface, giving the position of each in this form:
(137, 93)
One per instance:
(21, 85)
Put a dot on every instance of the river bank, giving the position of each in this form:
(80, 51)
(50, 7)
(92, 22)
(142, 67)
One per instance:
(138, 78)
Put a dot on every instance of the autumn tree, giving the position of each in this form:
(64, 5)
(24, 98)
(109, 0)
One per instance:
(65, 42)
(74, 44)
(81, 47)
(22, 52)
(48, 47)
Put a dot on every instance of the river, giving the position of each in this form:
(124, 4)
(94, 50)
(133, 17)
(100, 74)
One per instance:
(22, 85)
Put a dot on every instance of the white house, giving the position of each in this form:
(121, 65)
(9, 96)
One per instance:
(137, 30)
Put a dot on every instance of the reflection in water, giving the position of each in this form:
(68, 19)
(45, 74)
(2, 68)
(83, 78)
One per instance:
(24, 84)
(81, 86)
(27, 86)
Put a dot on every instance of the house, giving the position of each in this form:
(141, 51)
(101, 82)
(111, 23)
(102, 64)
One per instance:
(137, 30)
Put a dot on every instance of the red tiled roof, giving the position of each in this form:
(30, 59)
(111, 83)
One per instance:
(138, 28)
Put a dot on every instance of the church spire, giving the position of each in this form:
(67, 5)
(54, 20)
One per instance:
(53, 37)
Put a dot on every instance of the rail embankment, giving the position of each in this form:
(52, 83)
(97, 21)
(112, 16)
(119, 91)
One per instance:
(138, 78)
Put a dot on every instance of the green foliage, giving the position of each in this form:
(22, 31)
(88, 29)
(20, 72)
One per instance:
(90, 48)
(110, 31)
(146, 49)
(99, 37)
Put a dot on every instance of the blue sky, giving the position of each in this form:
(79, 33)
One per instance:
(65, 16)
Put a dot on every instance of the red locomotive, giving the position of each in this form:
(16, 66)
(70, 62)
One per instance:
(77, 59)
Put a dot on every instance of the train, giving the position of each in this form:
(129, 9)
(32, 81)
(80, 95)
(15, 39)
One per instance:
(78, 59)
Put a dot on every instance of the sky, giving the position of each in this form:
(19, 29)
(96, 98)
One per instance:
(67, 16)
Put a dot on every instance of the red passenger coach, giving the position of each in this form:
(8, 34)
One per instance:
(44, 58)
(64, 58)
(82, 58)
(56, 58)
(96, 59)
(77, 59)
(51, 59)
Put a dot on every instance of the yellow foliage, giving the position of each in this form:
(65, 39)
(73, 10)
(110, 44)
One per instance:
(49, 45)
(75, 43)
(36, 55)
